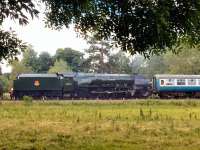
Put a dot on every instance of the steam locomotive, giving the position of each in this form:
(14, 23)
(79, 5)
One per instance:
(80, 85)
(104, 86)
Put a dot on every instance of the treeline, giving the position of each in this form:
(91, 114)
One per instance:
(100, 58)
(186, 61)
(97, 58)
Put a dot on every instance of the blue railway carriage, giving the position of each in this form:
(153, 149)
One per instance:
(176, 86)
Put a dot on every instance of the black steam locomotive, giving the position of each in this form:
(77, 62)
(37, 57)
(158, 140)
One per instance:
(80, 85)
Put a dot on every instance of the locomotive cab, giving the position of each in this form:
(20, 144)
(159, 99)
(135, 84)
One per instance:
(69, 85)
(142, 86)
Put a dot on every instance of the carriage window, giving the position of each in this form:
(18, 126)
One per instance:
(167, 82)
(180, 81)
(162, 82)
(170, 82)
(191, 81)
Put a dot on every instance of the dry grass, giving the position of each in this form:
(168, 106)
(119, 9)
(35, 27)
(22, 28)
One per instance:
(138, 124)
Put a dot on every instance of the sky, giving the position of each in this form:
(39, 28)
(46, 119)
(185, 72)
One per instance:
(44, 39)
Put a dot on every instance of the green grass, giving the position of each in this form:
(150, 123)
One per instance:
(141, 124)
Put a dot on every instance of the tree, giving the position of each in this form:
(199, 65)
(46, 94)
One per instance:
(4, 81)
(45, 61)
(30, 59)
(17, 68)
(98, 55)
(120, 63)
(17, 10)
(0, 71)
(10, 45)
(72, 57)
(137, 64)
(143, 26)
(149, 67)
(185, 62)
(37, 64)
(156, 65)
(60, 66)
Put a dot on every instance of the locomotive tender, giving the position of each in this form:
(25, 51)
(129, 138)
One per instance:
(80, 85)
(38, 85)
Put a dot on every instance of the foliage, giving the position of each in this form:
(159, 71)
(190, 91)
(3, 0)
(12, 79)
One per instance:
(27, 100)
(45, 61)
(120, 63)
(185, 62)
(141, 26)
(156, 65)
(39, 64)
(17, 10)
(150, 67)
(18, 68)
(137, 64)
(72, 57)
(98, 56)
(10, 45)
(4, 82)
(6, 96)
(60, 66)
(30, 59)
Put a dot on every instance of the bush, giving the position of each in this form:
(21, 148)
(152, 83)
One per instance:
(4, 83)
(6, 96)
(27, 99)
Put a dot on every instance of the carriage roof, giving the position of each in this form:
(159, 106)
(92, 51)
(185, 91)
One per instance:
(172, 76)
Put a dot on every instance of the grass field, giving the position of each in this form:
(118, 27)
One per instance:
(134, 125)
